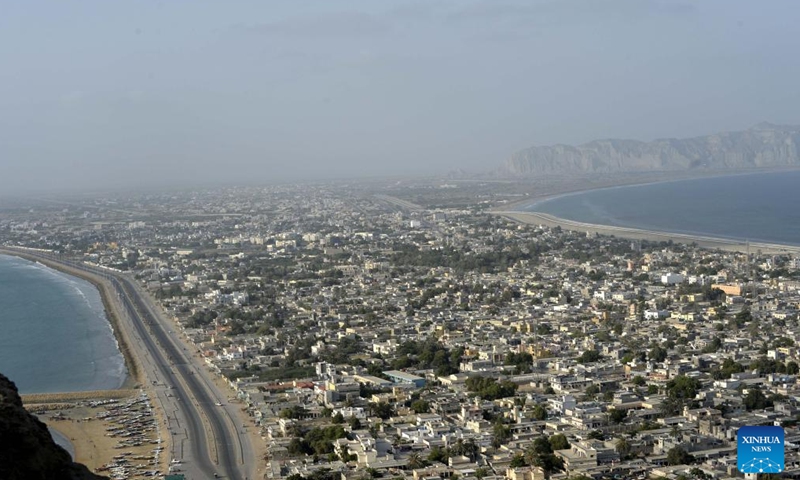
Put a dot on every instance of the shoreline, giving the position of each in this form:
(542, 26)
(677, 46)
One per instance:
(133, 377)
(628, 181)
(514, 211)
(537, 218)
(89, 446)
(94, 430)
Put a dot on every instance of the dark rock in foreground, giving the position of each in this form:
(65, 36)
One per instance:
(27, 450)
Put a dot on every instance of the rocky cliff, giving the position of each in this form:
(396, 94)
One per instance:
(27, 451)
(762, 146)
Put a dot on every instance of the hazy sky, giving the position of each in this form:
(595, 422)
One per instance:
(120, 93)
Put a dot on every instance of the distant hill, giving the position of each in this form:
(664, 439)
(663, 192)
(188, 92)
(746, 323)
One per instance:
(27, 451)
(762, 146)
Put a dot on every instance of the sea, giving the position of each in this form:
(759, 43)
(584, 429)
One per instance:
(54, 334)
(763, 207)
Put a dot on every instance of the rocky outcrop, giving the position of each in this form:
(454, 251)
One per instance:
(762, 146)
(27, 451)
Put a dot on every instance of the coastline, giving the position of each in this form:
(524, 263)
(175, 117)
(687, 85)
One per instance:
(536, 218)
(133, 377)
(514, 211)
(649, 178)
(87, 440)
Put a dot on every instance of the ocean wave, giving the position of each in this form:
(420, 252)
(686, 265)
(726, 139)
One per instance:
(90, 356)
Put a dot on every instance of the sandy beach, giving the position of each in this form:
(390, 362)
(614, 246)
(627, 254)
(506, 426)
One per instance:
(113, 432)
(550, 187)
(563, 186)
(535, 218)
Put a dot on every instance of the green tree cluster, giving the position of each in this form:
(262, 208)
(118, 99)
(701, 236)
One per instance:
(490, 388)
(317, 441)
(428, 354)
(589, 356)
(679, 456)
(540, 454)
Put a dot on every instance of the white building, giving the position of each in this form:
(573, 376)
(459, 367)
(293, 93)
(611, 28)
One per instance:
(671, 278)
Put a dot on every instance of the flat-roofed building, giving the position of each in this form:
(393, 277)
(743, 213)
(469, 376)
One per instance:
(402, 377)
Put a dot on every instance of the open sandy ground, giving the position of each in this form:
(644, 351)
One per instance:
(98, 429)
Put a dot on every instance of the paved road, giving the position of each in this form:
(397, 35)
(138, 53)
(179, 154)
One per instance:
(205, 436)
(231, 448)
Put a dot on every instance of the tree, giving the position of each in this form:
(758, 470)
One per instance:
(657, 354)
(559, 442)
(714, 346)
(420, 406)
(596, 435)
(298, 447)
(592, 390)
(500, 434)
(382, 410)
(296, 411)
(589, 356)
(617, 416)
(438, 454)
(623, 447)
(698, 474)
(468, 448)
(756, 400)
(639, 381)
(415, 461)
(490, 388)
(679, 456)
(683, 388)
(540, 454)
(728, 368)
(338, 418)
(792, 368)
(354, 423)
(517, 461)
(539, 413)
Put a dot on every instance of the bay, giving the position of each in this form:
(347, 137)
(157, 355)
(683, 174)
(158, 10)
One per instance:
(763, 207)
(54, 334)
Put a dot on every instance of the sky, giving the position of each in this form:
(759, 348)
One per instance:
(97, 94)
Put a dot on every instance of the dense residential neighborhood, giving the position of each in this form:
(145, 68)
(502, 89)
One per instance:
(369, 336)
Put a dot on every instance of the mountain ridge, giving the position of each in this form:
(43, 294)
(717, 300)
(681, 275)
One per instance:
(764, 145)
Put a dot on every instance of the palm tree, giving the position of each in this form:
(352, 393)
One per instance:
(471, 449)
(623, 447)
(415, 460)
(458, 448)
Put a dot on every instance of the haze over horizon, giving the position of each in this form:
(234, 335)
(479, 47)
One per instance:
(179, 93)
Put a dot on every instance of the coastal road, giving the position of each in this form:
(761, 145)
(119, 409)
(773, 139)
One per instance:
(218, 439)
(203, 429)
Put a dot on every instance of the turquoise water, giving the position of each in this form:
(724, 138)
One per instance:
(761, 207)
(54, 335)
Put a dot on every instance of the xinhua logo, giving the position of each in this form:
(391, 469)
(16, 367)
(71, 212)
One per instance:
(760, 450)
